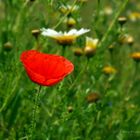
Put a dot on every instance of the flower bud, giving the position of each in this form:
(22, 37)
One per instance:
(89, 51)
(135, 56)
(71, 22)
(93, 97)
(134, 16)
(122, 20)
(111, 47)
(78, 51)
(35, 33)
(8, 46)
(108, 11)
(70, 109)
(126, 39)
(109, 70)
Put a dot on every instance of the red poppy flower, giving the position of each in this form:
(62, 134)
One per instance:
(45, 69)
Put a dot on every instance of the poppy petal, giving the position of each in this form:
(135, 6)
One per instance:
(45, 69)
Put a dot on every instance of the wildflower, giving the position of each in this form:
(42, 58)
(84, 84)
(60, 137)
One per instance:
(91, 45)
(135, 56)
(109, 70)
(66, 38)
(8, 46)
(45, 69)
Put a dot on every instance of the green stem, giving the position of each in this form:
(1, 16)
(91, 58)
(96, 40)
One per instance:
(35, 112)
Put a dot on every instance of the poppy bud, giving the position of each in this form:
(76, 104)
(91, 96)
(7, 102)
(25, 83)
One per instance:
(35, 33)
(109, 70)
(130, 40)
(122, 20)
(135, 56)
(78, 51)
(93, 97)
(8, 46)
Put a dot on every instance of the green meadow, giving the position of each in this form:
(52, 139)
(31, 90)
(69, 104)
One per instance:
(100, 98)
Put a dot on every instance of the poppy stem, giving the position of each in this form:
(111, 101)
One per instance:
(35, 112)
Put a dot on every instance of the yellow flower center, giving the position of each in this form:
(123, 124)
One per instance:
(66, 40)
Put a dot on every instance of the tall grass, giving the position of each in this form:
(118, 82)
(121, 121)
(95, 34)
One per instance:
(89, 104)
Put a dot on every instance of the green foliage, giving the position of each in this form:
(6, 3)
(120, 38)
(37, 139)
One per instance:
(64, 111)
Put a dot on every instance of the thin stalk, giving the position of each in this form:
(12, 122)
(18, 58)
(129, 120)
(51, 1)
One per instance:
(35, 112)
(12, 93)
(135, 77)
(102, 44)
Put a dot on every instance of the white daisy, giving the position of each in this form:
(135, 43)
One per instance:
(65, 38)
